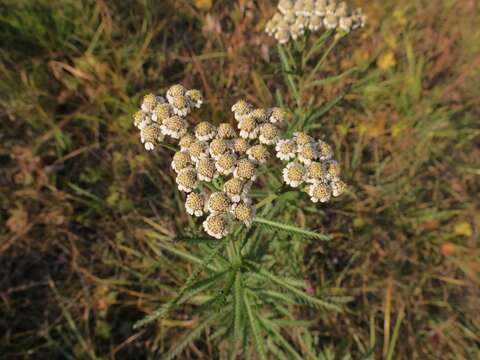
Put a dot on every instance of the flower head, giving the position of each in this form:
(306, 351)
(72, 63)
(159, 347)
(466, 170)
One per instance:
(216, 226)
(240, 109)
(333, 169)
(302, 138)
(294, 174)
(151, 135)
(325, 151)
(149, 102)
(181, 160)
(206, 170)
(174, 126)
(277, 116)
(248, 127)
(218, 147)
(243, 212)
(226, 131)
(236, 188)
(307, 153)
(161, 112)
(186, 140)
(245, 170)
(286, 149)
(175, 90)
(195, 98)
(315, 172)
(319, 191)
(198, 150)
(338, 187)
(258, 154)
(186, 179)
(180, 105)
(218, 203)
(205, 131)
(269, 134)
(240, 146)
(141, 119)
(195, 204)
(225, 164)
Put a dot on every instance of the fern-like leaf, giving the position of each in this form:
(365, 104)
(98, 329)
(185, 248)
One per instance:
(254, 327)
(169, 306)
(291, 229)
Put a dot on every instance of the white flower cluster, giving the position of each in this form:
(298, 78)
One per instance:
(160, 116)
(311, 165)
(293, 18)
(207, 152)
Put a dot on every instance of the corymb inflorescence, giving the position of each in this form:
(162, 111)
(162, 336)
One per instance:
(227, 157)
(294, 17)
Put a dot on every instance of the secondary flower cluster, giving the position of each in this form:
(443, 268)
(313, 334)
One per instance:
(217, 165)
(311, 165)
(293, 18)
(160, 116)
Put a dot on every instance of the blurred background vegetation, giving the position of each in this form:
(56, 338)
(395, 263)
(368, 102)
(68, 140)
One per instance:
(77, 190)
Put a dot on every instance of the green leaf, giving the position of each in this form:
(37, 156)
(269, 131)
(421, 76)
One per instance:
(273, 329)
(191, 336)
(238, 315)
(254, 327)
(301, 295)
(292, 229)
(169, 306)
(287, 69)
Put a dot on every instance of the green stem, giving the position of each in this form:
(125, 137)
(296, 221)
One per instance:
(323, 58)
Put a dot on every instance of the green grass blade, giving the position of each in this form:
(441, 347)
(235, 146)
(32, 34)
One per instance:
(287, 69)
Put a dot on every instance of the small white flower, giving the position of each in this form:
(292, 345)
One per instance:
(332, 170)
(294, 174)
(162, 112)
(149, 102)
(141, 119)
(321, 8)
(236, 188)
(286, 149)
(307, 153)
(269, 134)
(175, 90)
(325, 151)
(319, 191)
(316, 172)
(180, 105)
(330, 22)
(205, 131)
(243, 212)
(226, 164)
(285, 5)
(206, 170)
(302, 138)
(240, 146)
(174, 126)
(258, 154)
(245, 170)
(186, 141)
(338, 187)
(218, 147)
(218, 203)
(198, 150)
(277, 116)
(226, 131)
(195, 98)
(248, 128)
(241, 109)
(150, 135)
(216, 226)
(195, 204)
(187, 180)
(180, 161)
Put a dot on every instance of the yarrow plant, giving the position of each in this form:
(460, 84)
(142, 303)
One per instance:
(238, 178)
